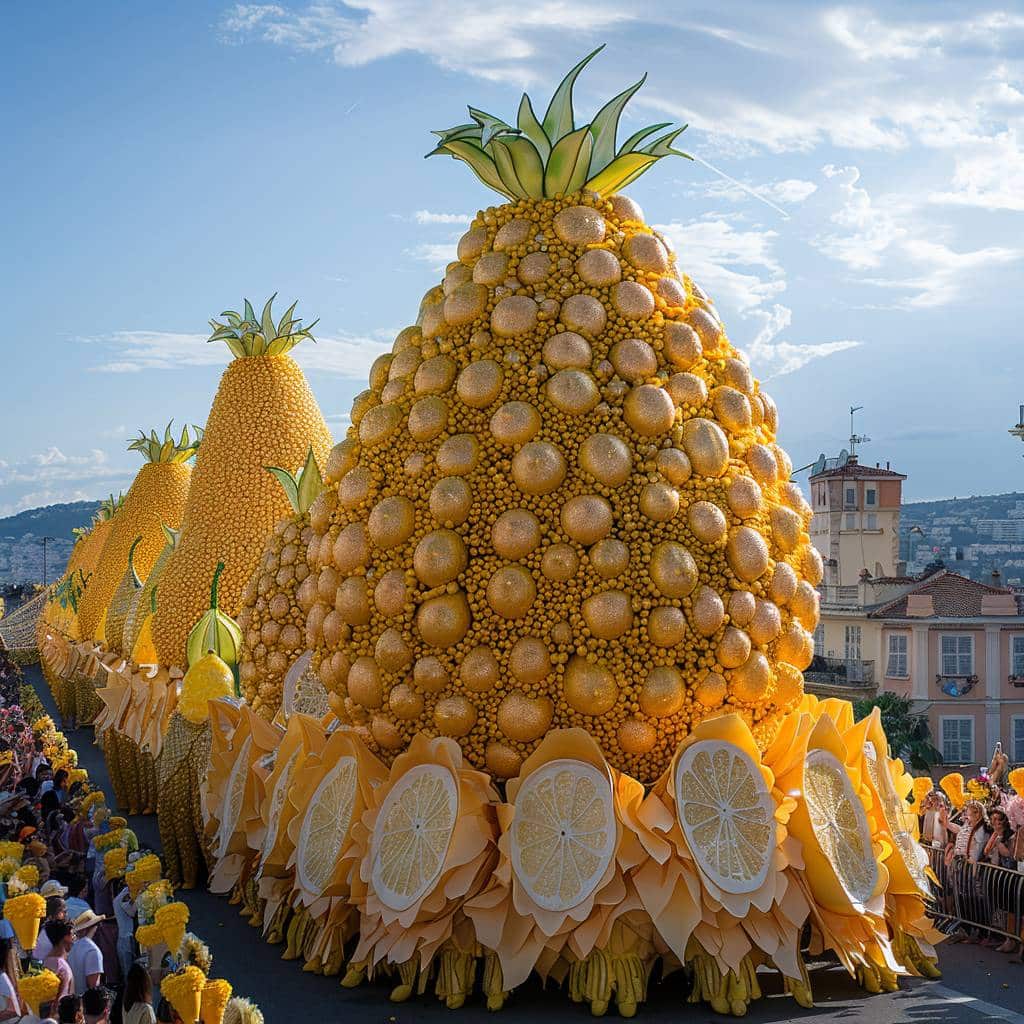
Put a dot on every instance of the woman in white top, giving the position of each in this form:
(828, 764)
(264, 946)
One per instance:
(10, 1002)
(138, 997)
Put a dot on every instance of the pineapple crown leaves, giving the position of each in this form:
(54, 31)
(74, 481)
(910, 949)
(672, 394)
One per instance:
(302, 487)
(543, 159)
(69, 590)
(155, 449)
(247, 336)
(108, 507)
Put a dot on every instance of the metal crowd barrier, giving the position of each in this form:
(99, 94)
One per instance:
(976, 895)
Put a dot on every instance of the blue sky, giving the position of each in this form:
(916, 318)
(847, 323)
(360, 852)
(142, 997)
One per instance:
(858, 211)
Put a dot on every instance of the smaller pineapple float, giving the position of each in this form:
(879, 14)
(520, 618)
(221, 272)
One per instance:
(276, 599)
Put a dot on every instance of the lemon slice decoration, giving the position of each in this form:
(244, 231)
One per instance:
(234, 793)
(412, 834)
(277, 798)
(840, 825)
(913, 856)
(563, 833)
(726, 813)
(325, 826)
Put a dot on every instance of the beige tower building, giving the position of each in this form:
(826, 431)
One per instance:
(856, 519)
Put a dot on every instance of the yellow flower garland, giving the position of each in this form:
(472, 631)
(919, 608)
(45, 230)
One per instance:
(25, 914)
(8, 865)
(142, 872)
(149, 935)
(114, 863)
(216, 994)
(171, 920)
(12, 850)
(29, 875)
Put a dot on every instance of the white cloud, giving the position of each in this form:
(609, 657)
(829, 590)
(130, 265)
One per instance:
(989, 174)
(782, 357)
(53, 475)
(489, 41)
(788, 191)
(429, 217)
(437, 254)
(348, 356)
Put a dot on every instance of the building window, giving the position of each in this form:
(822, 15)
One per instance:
(1017, 658)
(958, 655)
(851, 520)
(870, 496)
(1017, 743)
(896, 667)
(851, 497)
(872, 521)
(852, 643)
(957, 738)
(819, 640)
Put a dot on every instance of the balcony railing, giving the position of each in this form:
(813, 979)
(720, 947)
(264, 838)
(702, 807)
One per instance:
(846, 597)
(841, 671)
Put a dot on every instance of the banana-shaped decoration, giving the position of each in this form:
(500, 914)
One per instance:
(215, 632)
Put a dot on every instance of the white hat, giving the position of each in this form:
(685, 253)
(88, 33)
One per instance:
(53, 888)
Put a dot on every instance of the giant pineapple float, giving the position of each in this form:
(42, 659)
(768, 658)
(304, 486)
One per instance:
(557, 590)
(560, 594)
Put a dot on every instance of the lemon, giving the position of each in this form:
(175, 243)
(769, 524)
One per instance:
(726, 813)
(563, 833)
(277, 798)
(839, 825)
(325, 826)
(234, 793)
(412, 834)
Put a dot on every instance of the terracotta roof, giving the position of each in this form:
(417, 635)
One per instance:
(952, 596)
(855, 471)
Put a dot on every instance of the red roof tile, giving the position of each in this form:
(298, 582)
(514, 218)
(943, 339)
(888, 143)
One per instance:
(953, 596)
(855, 471)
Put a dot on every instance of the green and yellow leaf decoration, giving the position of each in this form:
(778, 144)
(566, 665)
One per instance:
(246, 335)
(167, 449)
(544, 159)
(303, 487)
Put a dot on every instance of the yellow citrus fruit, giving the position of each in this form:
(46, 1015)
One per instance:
(277, 798)
(726, 813)
(325, 826)
(412, 834)
(234, 793)
(563, 833)
(840, 825)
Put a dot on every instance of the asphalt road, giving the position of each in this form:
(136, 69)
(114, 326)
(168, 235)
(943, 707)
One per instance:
(978, 985)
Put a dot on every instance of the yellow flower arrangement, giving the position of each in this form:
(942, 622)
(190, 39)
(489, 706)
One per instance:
(108, 840)
(13, 850)
(184, 991)
(29, 875)
(38, 987)
(922, 787)
(6, 758)
(171, 920)
(953, 786)
(216, 994)
(149, 935)
(43, 725)
(77, 775)
(242, 1011)
(145, 870)
(1017, 780)
(93, 799)
(154, 897)
(195, 951)
(8, 865)
(114, 863)
(25, 913)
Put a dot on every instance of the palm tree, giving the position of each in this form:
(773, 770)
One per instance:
(907, 730)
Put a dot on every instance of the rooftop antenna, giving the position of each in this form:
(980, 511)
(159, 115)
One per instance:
(856, 439)
(1018, 431)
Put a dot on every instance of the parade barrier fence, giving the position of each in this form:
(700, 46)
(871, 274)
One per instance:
(976, 895)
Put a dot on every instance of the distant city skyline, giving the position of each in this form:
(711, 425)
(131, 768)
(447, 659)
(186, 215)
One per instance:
(855, 207)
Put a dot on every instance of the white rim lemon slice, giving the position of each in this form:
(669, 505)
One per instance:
(276, 804)
(234, 793)
(412, 834)
(325, 826)
(291, 681)
(563, 833)
(840, 824)
(911, 852)
(726, 813)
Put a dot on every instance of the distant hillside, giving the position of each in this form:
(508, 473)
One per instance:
(985, 506)
(21, 549)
